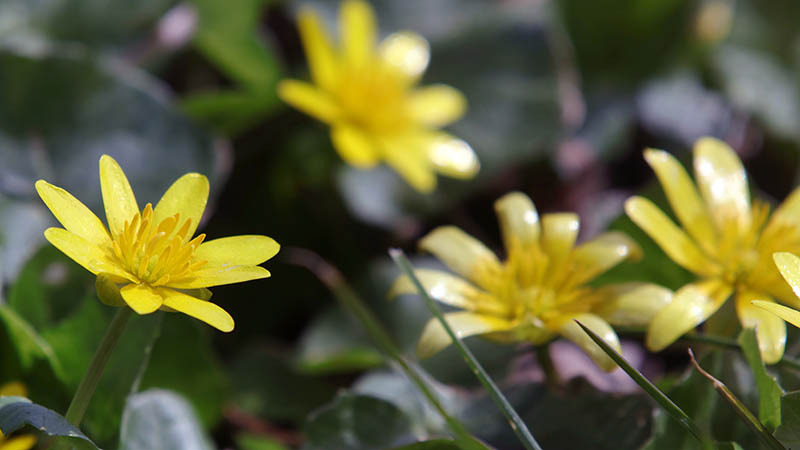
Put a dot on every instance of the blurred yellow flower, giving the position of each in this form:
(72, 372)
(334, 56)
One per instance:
(24, 442)
(538, 291)
(727, 241)
(150, 253)
(366, 91)
(789, 266)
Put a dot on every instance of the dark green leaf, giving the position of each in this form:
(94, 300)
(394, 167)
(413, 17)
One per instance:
(255, 442)
(29, 345)
(436, 444)
(769, 392)
(789, 431)
(14, 416)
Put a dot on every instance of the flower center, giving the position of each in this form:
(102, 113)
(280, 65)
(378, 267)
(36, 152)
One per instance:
(374, 97)
(157, 253)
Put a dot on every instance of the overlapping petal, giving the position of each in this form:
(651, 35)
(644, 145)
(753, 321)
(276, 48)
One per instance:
(683, 197)
(187, 196)
(519, 220)
(602, 253)
(691, 305)
(118, 199)
(407, 51)
(789, 266)
(570, 330)
(632, 304)
(451, 290)
(408, 158)
(322, 58)
(672, 240)
(73, 215)
(199, 309)
(141, 298)
(237, 250)
(559, 232)
(463, 323)
(220, 275)
(358, 31)
(354, 145)
(723, 183)
(436, 105)
(91, 257)
(770, 329)
(463, 254)
(310, 99)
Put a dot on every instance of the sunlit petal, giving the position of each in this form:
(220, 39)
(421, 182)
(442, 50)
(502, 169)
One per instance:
(309, 99)
(450, 289)
(674, 241)
(722, 182)
(559, 232)
(118, 199)
(358, 30)
(789, 210)
(407, 51)
(411, 163)
(91, 257)
(602, 253)
(187, 196)
(784, 312)
(463, 254)
(322, 59)
(519, 221)
(691, 305)
(354, 145)
(632, 304)
(141, 298)
(73, 214)
(450, 156)
(789, 266)
(683, 197)
(237, 250)
(436, 105)
(770, 329)
(434, 337)
(199, 309)
(219, 275)
(570, 330)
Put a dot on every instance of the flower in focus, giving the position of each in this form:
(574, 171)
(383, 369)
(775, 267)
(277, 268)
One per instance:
(540, 289)
(726, 240)
(149, 260)
(366, 91)
(23, 442)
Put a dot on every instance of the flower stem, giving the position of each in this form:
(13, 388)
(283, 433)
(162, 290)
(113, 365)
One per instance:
(80, 402)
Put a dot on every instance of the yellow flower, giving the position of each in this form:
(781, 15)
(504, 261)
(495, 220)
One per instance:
(24, 442)
(727, 241)
(367, 93)
(539, 290)
(149, 260)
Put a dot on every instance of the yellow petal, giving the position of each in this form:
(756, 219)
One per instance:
(354, 145)
(559, 232)
(141, 298)
(411, 162)
(19, 443)
(691, 305)
(436, 105)
(357, 26)
(451, 290)
(602, 253)
(309, 99)
(187, 196)
(519, 221)
(118, 199)
(107, 290)
(451, 156)
(770, 329)
(434, 337)
(789, 266)
(723, 183)
(322, 59)
(73, 214)
(632, 304)
(218, 275)
(463, 254)
(674, 241)
(199, 309)
(241, 250)
(789, 210)
(407, 51)
(570, 330)
(784, 312)
(91, 257)
(14, 388)
(683, 197)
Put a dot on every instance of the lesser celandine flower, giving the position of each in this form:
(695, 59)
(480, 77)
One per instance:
(726, 240)
(24, 442)
(366, 91)
(147, 258)
(540, 289)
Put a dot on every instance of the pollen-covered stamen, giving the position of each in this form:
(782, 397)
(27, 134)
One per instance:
(157, 253)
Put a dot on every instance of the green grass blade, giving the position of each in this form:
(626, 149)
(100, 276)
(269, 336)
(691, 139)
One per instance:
(665, 402)
(517, 425)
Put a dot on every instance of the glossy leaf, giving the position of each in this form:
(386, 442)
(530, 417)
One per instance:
(769, 391)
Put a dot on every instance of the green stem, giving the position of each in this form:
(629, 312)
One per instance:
(546, 362)
(348, 298)
(517, 425)
(77, 408)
